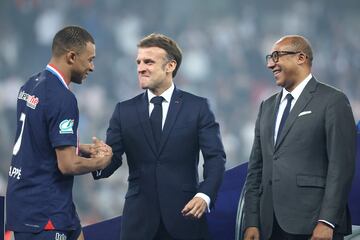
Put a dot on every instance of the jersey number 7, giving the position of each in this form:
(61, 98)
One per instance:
(18, 141)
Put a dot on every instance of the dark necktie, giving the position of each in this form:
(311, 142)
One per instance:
(286, 112)
(156, 119)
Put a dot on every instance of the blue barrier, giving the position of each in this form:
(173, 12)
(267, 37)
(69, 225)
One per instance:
(354, 197)
(2, 216)
(109, 229)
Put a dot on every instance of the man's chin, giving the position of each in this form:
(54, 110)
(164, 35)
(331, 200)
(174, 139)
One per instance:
(279, 82)
(144, 86)
(78, 81)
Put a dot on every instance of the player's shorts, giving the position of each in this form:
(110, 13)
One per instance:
(49, 235)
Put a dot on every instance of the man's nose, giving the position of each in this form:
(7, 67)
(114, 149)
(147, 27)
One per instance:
(92, 67)
(270, 63)
(141, 67)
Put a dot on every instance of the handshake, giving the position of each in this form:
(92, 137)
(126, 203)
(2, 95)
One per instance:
(97, 150)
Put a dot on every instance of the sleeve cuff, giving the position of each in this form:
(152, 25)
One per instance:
(206, 199)
(327, 223)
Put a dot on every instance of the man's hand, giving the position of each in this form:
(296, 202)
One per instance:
(99, 149)
(101, 152)
(322, 232)
(195, 208)
(252, 233)
(84, 150)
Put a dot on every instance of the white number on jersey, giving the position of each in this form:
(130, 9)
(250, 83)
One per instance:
(18, 141)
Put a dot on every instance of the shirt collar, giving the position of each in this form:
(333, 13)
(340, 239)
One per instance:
(298, 90)
(166, 95)
(51, 68)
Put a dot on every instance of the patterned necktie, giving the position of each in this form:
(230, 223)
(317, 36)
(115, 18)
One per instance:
(286, 112)
(156, 119)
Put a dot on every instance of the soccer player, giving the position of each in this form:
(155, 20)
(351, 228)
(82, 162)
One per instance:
(39, 192)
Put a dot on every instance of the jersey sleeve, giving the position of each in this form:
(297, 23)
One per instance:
(63, 120)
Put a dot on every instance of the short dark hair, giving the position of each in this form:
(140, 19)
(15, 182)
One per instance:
(171, 48)
(72, 38)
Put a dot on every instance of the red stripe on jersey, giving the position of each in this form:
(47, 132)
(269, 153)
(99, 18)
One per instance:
(49, 226)
(7, 235)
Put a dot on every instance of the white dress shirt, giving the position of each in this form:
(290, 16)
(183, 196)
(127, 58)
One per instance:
(167, 94)
(165, 104)
(296, 94)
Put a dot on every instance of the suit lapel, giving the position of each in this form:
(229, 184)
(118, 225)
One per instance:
(300, 104)
(174, 107)
(274, 115)
(142, 107)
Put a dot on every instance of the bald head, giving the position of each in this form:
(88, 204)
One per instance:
(298, 43)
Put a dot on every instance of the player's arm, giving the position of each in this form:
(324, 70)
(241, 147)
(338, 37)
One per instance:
(71, 164)
(85, 150)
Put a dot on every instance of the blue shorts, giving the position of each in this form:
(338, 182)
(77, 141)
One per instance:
(49, 235)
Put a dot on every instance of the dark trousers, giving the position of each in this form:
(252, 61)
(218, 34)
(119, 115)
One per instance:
(163, 234)
(279, 234)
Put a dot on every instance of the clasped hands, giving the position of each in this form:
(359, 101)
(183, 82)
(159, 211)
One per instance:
(97, 149)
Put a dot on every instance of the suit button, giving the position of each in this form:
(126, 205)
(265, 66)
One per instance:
(270, 182)
(276, 158)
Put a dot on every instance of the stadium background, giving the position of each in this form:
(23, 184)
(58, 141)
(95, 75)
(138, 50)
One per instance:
(223, 41)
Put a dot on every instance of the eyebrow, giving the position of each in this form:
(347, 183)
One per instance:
(146, 60)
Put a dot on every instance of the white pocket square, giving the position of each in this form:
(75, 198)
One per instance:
(304, 113)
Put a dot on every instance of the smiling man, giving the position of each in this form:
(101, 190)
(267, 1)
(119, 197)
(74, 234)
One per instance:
(39, 201)
(303, 157)
(162, 131)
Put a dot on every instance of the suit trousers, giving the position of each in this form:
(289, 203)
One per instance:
(163, 234)
(279, 234)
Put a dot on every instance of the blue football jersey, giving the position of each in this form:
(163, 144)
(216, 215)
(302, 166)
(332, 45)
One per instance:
(38, 194)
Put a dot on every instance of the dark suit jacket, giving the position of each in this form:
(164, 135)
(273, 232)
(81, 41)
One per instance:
(307, 175)
(161, 183)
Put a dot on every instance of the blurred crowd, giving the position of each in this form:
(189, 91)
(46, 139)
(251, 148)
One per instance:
(223, 42)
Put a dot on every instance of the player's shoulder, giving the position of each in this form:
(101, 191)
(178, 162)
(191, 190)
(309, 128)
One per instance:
(51, 89)
(56, 87)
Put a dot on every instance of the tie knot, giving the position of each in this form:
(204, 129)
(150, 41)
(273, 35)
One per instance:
(289, 97)
(157, 100)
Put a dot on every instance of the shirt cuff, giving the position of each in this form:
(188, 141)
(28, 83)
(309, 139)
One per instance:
(205, 198)
(98, 173)
(327, 223)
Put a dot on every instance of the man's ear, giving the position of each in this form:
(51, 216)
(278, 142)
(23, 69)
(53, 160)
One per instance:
(71, 57)
(170, 66)
(302, 58)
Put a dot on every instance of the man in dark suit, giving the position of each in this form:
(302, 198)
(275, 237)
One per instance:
(161, 131)
(302, 161)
